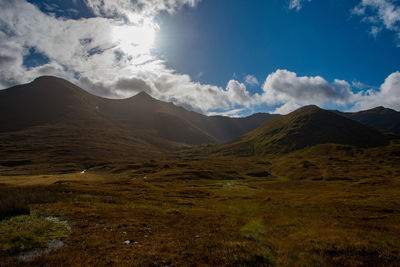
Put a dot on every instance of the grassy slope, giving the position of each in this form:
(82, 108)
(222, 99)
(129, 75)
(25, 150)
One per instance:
(303, 128)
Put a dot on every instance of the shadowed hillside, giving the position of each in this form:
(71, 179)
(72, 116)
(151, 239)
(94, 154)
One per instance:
(53, 100)
(307, 126)
(121, 187)
(43, 101)
(381, 118)
(71, 129)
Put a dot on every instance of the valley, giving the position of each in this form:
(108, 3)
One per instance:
(219, 211)
(177, 188)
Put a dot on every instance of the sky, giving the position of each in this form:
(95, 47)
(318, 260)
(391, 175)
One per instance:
(216, 57)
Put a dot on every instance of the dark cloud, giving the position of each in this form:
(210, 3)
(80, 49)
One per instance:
(132, 85)
(97, 88)
(6, 59)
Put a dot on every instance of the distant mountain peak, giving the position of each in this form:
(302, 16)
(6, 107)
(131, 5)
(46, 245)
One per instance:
(310, 126)
(309, 107)
(45, 77)
(143, 96)
(48, 78)
(382, 109)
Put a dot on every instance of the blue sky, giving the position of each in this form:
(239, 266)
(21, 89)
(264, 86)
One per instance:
(215, 57)
(222, 38)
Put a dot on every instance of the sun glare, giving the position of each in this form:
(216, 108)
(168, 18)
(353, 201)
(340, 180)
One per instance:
(135, 39)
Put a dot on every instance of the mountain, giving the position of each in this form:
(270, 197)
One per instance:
(381, 118)
(45, 100)
(50, 100)
(53, 122)
(176, 123)
(306, 127)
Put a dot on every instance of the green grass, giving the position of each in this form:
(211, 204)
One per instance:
(254, 230)
(26, 232)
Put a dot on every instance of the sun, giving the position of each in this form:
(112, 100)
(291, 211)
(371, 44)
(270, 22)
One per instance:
(134, 39)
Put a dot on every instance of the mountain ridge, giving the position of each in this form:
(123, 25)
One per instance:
(64, 98)
(379, 117)
(306, 127)
(52, 124)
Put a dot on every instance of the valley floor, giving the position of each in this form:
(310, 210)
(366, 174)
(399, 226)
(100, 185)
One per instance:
(176, 213)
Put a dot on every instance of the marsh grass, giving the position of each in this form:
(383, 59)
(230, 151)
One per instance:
(26, 232)
(15, 200)
(181, 217)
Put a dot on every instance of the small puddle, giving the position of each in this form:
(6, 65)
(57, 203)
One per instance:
(51, 246)
(35, 253)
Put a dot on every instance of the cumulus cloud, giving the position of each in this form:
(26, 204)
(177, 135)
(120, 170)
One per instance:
(388, 95)
(109, 55)
(251, 80)
(132, 84)
(237, 93)
(136, 10)
(287, 107)
(380, 14)
(285, 87)
(287, 91)
(96, 54)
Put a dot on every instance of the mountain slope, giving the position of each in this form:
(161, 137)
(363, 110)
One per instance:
(146, 117)
(305, 127)
(178, 124)
(45, 100)
(51, 124)
(54, 124)
(381, 118)
(53, 100)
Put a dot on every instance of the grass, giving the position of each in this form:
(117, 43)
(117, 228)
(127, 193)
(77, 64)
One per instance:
(207, 209)
(26, 232)
(15, 200)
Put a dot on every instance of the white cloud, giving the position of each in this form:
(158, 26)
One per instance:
(138, 10)
(287, 91)
(297, 4)
(234, 113)
(380, 14)
(105, 52)
(287, 108)
(284, 86)
(251, 80)
(95, 54)
(237, 93)
(388, 95)
(375, 31)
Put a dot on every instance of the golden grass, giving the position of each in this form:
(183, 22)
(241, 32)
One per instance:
(201, 209)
